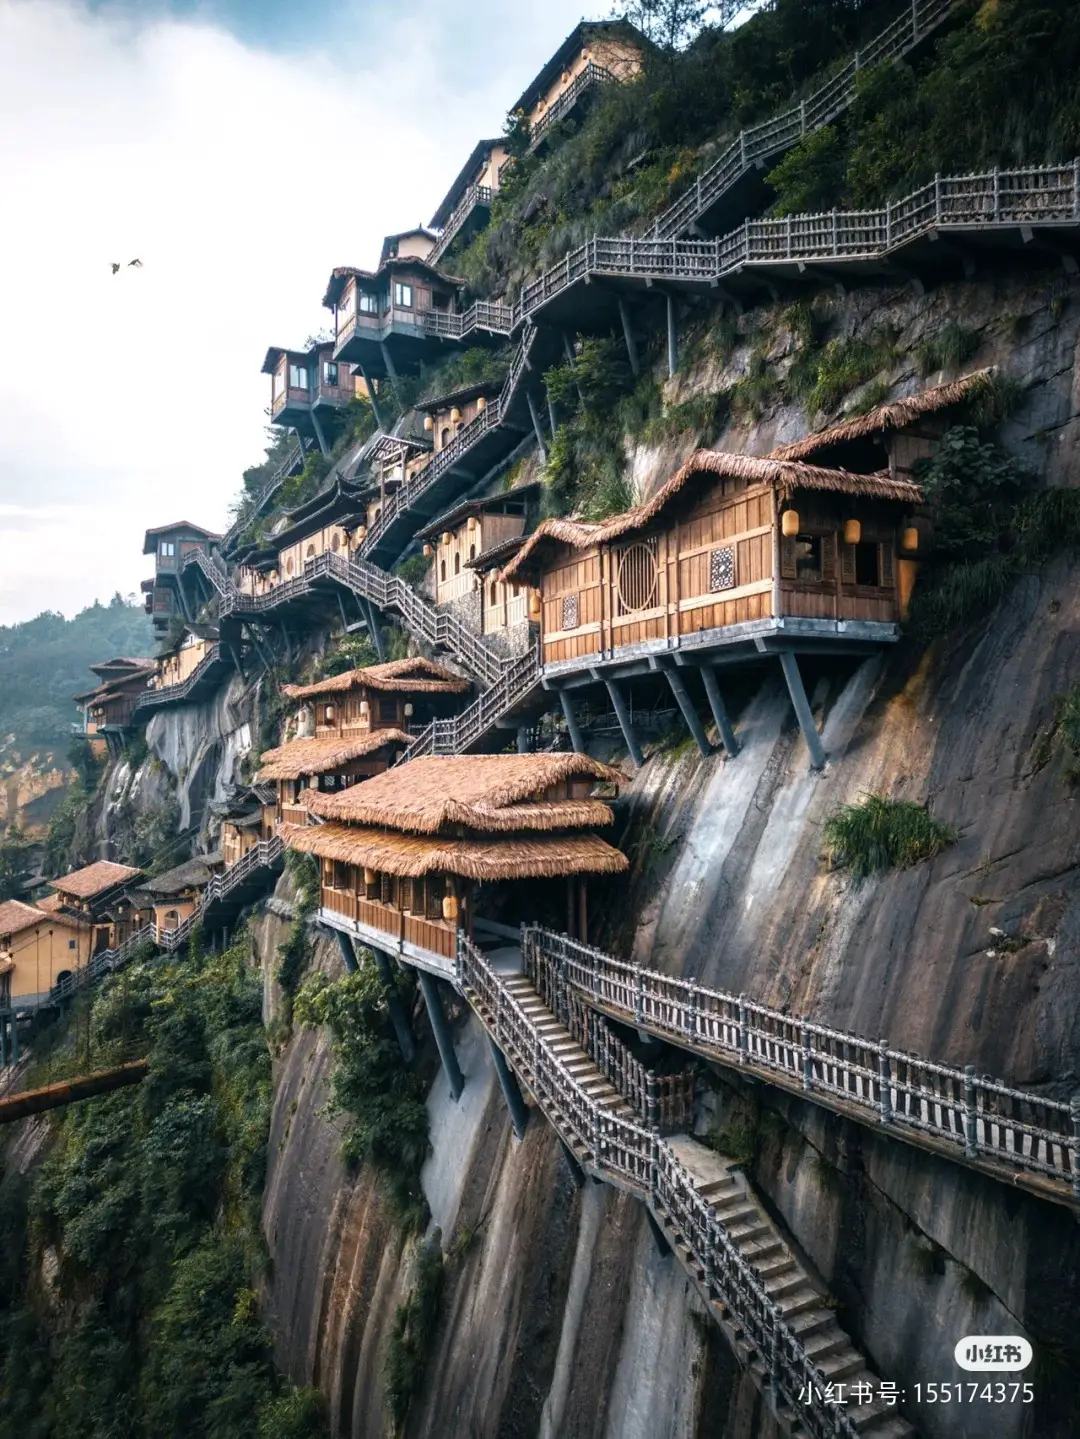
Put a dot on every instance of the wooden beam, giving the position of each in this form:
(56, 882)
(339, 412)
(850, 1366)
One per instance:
(628, 336)
(719, 711)
(571, 722)
(622, 714)
(803, 712)
(689, 713)
(70, 1091)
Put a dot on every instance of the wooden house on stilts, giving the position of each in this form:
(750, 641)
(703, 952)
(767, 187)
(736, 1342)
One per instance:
(733, 560)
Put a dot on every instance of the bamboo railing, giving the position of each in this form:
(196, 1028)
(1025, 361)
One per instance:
(968, 1116)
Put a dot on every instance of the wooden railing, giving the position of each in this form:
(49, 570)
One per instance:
(295, 814)
(641, 1161)
(293, 460)
(978, 1118)
(1038, 195)
(761, 142)
(267, 854)
(483, 315)
(473, 196)
(434, 935)
(178, 693)
(105, 961)
(663, 1101)
(455, 736)
(561, 107)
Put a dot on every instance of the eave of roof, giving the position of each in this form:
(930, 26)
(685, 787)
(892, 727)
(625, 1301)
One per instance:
(302, 757)
(486, 504)
(448, 204)
(150, 548)
(488, 388)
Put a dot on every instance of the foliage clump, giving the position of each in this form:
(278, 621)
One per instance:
(148, 1207)
(384, 1101)
(414, 1326)
(295, 952)
(879, 833)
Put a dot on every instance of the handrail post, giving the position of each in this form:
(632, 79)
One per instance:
(807, 1060)
(971, 1138)
(885, 1081)
(639, 995)
(937, 197)
(742, 1036)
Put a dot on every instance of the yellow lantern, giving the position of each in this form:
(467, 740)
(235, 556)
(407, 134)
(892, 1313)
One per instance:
(450, 907)
(365, 709)
(408, 711)
(429, 423)
(428, 552)
(909, 538)
(789, 524)
(481, 403)
(447, 537)
(361, 532)
(534, 604)
(455, 415)
(370, 876)
(852, 532)
(474, 524)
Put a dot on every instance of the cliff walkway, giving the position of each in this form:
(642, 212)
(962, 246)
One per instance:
(780, 1324)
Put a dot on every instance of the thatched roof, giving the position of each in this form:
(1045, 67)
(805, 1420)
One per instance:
(896, 415)
(413, 856)
(481, 792)
(410, 676)
(495, 556)
(786, 476)
(318, 756)
(95, 879)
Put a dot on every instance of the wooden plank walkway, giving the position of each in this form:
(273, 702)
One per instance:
(780, 1325)
(1018, 1138)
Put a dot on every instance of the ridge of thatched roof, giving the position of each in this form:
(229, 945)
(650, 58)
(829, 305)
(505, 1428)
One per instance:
(413, 856)
(896, 415)
(480, 792)
(302, 757)
(94, 879)
(192, 874)
(785, 476)
(408, 676)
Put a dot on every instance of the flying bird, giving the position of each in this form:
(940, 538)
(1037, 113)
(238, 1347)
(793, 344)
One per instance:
(135, 262)
(115, 267)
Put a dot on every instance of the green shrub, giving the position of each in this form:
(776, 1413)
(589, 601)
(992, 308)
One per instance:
(384, 1100)
(295, 952)
(414, 570)
(352, 652)
(811, 175)
(410, 1338)
(822, 378)
(880, 833)
(947, 348)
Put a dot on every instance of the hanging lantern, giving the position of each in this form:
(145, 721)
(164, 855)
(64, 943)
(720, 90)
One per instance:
(565, 77)
(534, 605)
(365, 709)
(447, 537)
(428, 552)
(361, 532)
(455, 415)
(789, 524)
(408, 711)
(370, 876)
(481, 403)
(909, 538)
(450, 907)
(429, 423)
(852, 532)
(474, 524)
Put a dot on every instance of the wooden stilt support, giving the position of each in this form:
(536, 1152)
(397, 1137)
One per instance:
(535, 414)
(568, 350)
(371, 395)
(719, 711)
(663, 1248)
(441, 1030)
(622, 714)
(323, 446)
(571, 722)
(803, 713)
(628, 336)
(68, 1091)
(672, 338)
(523, 739)
(689, 713)
(373, 629)
(518, 1109)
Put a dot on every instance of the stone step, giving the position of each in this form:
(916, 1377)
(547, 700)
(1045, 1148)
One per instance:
(799, 1298)
(808, 1323)
(748, 1229)
(828, 1340)
(842, 1364)
(785, 1283)
(759, 1250)
(774, 1267)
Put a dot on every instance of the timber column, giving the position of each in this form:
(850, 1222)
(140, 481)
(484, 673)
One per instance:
(441, 1030)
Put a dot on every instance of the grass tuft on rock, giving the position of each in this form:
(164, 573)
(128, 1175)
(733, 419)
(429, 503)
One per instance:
(410, 1339)
(879, 833)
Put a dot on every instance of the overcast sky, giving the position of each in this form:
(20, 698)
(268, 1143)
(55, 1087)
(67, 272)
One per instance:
(240, 149)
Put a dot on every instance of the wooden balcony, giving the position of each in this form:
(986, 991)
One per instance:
(295, 814)
(429, 943)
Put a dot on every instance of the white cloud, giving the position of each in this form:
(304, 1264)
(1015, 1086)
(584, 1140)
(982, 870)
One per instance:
(240, 178)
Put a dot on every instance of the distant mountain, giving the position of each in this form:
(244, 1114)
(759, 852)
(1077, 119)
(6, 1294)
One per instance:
(43, 662)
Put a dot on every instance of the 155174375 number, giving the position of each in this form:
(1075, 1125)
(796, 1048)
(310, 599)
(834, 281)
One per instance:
(968, 1392)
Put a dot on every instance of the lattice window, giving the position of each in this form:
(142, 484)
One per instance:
(722, 569)
(570, 612)
(637, 577)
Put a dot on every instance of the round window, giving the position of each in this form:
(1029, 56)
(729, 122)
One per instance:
(637, 578)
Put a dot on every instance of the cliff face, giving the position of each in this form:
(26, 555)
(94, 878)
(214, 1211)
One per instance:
(560, 1317)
